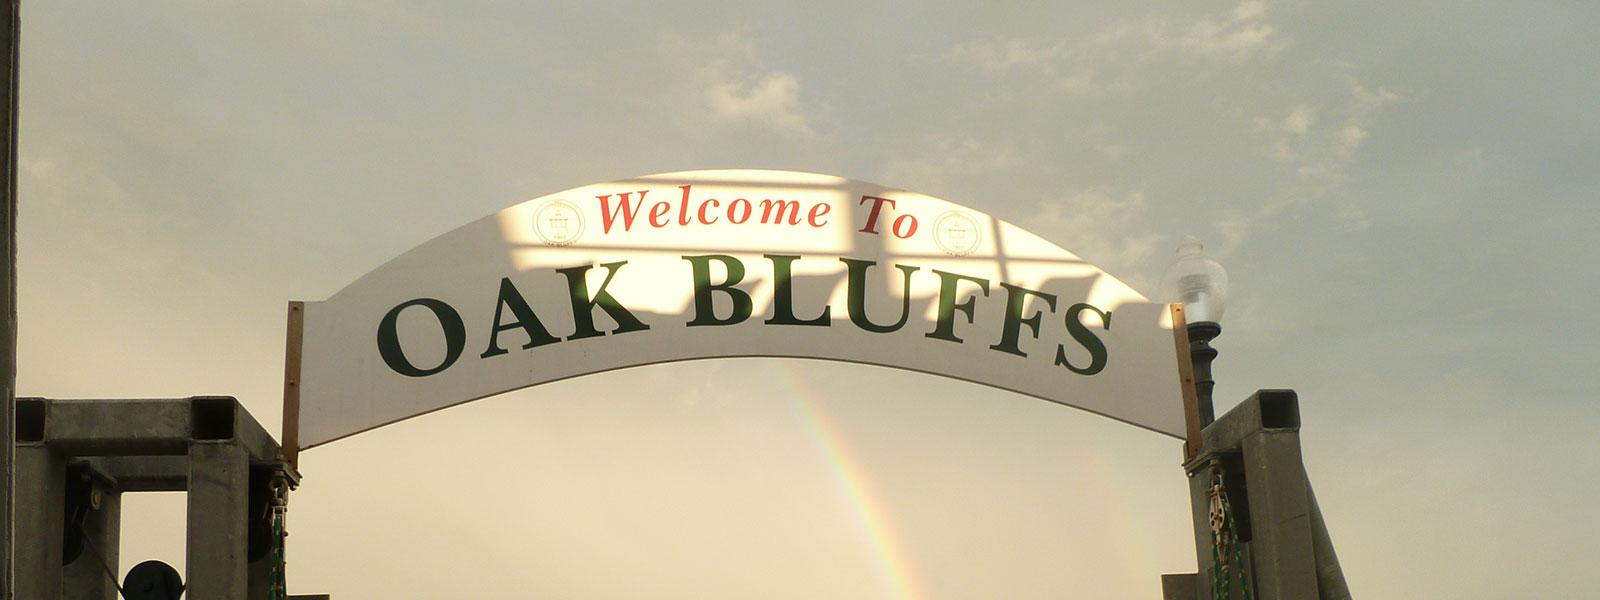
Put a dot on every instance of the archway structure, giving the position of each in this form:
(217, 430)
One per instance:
(728, 263)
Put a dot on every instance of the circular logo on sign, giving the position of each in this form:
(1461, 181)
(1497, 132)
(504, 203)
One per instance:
(957, 233)
(558, 222)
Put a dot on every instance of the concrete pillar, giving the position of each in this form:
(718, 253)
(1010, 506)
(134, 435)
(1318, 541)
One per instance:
(219, 498)
(88, 578)
(41, 484)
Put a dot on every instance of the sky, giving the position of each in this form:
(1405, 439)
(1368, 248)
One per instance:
(1404, 195)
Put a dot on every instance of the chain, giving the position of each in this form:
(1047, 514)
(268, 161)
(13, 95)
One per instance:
(1224, 537)
(1238, 559)
(1218, 519)
(277, 584)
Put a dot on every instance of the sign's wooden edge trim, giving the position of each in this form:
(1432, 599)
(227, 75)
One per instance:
(295, 336)
(1191, 400)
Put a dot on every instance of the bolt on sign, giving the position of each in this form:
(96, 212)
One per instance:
(715, 264)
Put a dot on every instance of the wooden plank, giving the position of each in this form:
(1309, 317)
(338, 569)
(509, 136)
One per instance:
(291, 384)
(1191, 400)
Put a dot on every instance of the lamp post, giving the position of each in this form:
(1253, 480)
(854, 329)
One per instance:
(1246, 471)
(1201, 284)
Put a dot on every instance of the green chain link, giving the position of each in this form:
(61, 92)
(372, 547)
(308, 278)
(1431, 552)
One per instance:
(277, 590)
(1219, 572)
(278, 584)
(1238, 559)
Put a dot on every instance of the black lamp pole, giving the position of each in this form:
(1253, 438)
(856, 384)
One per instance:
(1201, 354)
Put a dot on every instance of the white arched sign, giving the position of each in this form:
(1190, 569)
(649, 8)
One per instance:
(712, 264)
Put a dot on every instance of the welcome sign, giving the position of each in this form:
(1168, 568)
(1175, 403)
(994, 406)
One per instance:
(714, 264)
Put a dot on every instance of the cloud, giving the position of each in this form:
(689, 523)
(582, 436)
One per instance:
(998, 56)
(33, 166)
(1369, 99)
(773, 102)
(1246, 34)
(1348, 138)
(1102, 228)
(1363, 110)
(1285, 132)
(1112, 59)
(1234, 225)
(933, 160)
(727, 81)
(1319, 149)
(1066, 68)
(1300, 120)
(1104, 103)
(1107, 102)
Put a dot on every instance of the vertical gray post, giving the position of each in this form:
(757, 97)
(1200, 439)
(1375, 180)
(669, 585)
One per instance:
(260, 571)
(88, 578)
(1280, 515)
(1200, 506)
(1180, 586)
(1260, 440)
(219, 498)
(40, 502)
(8, 322)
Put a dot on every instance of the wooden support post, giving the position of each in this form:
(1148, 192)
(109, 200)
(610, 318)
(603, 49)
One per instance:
(1191, 399)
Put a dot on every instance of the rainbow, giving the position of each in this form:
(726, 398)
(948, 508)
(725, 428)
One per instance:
(1108, 494)
(856, 488)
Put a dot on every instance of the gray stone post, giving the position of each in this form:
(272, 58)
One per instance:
(1280, 516)
(8, 302)
(1286, 547)
(41, 493)
(219, 485)
(1199, 507)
